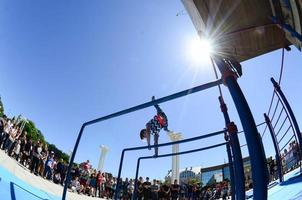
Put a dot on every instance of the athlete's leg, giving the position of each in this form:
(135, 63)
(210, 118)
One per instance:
(156, 136)
(148, 133)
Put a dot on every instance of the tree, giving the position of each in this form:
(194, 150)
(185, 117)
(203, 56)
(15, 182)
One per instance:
(35, 134)
(58, 152)
(1, 108)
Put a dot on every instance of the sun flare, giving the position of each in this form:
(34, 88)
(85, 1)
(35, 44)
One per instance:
(199, 51)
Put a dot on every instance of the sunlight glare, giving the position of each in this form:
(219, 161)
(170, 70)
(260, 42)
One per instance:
(199, 51)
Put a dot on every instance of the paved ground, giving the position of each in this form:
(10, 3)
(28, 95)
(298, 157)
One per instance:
(17, 183)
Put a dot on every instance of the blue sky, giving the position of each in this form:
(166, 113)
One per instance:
(66, 62)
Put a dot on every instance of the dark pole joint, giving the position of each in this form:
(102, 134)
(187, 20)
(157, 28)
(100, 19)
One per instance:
(223, 106)
(276, 85)
(226, 75)
(226, 136)
(232, 128)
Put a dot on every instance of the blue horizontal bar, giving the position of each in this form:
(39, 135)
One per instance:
(176, 142)
(158, 101)
(184, 152)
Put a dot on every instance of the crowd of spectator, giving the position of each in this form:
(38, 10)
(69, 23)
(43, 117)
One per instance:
(290, 159)
(191, 191)
(39, 160)
(33, 155)
(36, 157)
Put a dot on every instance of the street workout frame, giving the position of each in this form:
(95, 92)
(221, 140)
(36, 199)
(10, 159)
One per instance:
(160, 145)
(254, 143)
(169, 155)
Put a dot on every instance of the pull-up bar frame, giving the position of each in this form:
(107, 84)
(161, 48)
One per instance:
(129, 110)
(159, 145)
(169, 155)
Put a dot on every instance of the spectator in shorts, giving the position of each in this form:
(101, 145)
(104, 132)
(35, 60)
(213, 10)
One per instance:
(93, 185)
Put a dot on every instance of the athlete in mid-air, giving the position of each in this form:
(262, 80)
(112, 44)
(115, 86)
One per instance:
(153, 127)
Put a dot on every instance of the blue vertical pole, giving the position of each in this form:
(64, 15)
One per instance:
(290, 112)
(249, 126)
(116, 195)
(68, 176)
(238, 189)
(276, 146)
(231, 168)
(134, 196)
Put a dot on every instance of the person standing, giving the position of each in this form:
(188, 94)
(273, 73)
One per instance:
(49, 166)
(36, 154)
(140, 188)
(174, 190)
(125, 185)
(155, 190)
(60, 170)
(166, 191)
(147, 189)
(130, 189)
(2, 125)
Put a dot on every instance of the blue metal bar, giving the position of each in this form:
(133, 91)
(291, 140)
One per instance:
(158, 101)
(257, 158)
(129, 110)
(239, 186)
(68, 176)
(135, 180)
(288, 116)
(278, 118)
(169, 155)
(281, 125)
(161, 145)
(287, 143)
(231, 168)
(272, 118)
(176, 142)
(276, 146)
(284, 134)
(290, 112)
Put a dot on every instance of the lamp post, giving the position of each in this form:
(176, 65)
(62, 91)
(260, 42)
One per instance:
(104, 151)
(175, 159)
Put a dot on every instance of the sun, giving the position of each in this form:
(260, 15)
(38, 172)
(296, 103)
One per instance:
(199, 50)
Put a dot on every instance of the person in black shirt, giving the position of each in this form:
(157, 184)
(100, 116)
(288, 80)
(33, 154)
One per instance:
(175, 190)
(60, 170)
(161, 192)
(35, 158)
(166, 191)
(140, 188)
(125, 188)
(147, 189)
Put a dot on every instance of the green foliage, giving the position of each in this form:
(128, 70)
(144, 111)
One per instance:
(58, 152)
(195, 181)
(32, 132)
(35, 134)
